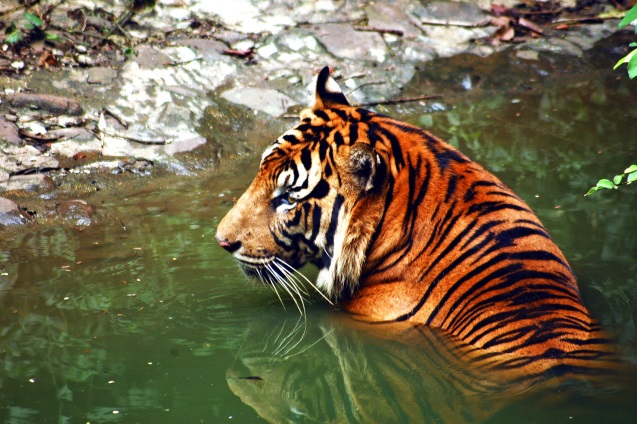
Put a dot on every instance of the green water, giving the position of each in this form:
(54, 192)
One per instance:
(144, 319)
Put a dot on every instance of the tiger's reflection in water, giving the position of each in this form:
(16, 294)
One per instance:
(338, 370)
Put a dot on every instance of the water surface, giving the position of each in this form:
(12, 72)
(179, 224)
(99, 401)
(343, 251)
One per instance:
(143, 318)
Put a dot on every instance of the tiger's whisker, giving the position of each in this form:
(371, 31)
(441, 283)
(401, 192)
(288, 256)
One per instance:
(266, 278)
(283, 284)
(297, 273)
(289, 339)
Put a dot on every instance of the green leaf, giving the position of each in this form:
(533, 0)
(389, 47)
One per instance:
(625, 59)
(632, 45)
(604, 183)
(631, 168)
(14, 37)
(632, 67)
(592, 190)
(33, 19)
(50, 36)
(630, 17)
(631, 177)
(618, 179)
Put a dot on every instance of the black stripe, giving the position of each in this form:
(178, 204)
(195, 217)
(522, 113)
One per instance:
(290, 138)
(316, 222)
(321, 189)
(338, 204)
(306, 159)
(321, 114)
(451, 187)
(353, 133)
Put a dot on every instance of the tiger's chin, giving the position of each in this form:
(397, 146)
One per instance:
(270, 270)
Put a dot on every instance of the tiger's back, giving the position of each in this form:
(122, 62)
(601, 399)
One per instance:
(403, 227)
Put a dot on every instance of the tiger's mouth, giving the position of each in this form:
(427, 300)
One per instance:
(276, 273)
(266, 268)
(254, 267)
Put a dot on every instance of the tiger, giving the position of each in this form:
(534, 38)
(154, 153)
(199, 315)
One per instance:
(405, 228)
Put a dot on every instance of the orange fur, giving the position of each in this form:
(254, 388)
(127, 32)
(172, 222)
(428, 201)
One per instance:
(404, 227)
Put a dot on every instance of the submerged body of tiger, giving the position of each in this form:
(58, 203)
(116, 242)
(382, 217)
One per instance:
(403, 227)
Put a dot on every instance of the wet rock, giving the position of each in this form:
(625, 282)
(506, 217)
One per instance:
(343, 41)
(101, 75)
(47, 102)
(454, 13)
(148, 57)
(243, 16)
(208, 50)
(9, 132)
(265, 100)
(15, 159)
(556, 45)
(528, 54)
(74, 141)
(76, 212)
(163, 103)
(30, 182)
(10, 213)
(392, 17)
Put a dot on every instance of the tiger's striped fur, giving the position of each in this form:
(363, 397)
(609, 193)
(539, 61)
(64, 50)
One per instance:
(404, 227)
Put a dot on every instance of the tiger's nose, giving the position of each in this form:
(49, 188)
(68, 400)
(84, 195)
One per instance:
(228, 245)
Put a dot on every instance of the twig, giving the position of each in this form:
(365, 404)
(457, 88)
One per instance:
(38, 137)
(51, 7)
(156, 141)
(417, 24)
(366, 84)
(183, 62)
(117, 117)
(238, 53)
(397, 101)
(455, 24)
(398, 32)
(119, 23)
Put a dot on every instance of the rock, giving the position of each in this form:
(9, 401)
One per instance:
(149, 57)
(76, 212)
(454, 13)
(344, 42)
(50, 103)
(32, 182)
(243, 16)
(7, 205)
(76, 140)
(390, 16)
(15, 159)
(209, 50)
(10, 213)
(265, 100)
(528, 54)
(101, 75)
(9, 132)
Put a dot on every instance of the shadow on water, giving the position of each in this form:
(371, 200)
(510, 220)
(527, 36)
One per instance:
(142, 318)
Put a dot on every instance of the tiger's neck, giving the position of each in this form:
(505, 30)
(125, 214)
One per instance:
(457, 250)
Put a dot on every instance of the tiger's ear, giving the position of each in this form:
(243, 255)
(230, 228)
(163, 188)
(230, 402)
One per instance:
(366, 167)
(328, 94)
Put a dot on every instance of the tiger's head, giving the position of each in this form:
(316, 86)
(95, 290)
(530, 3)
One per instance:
(315, 199)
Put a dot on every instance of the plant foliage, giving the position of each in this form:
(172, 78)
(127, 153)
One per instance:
(629, 176)
(631, 58)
